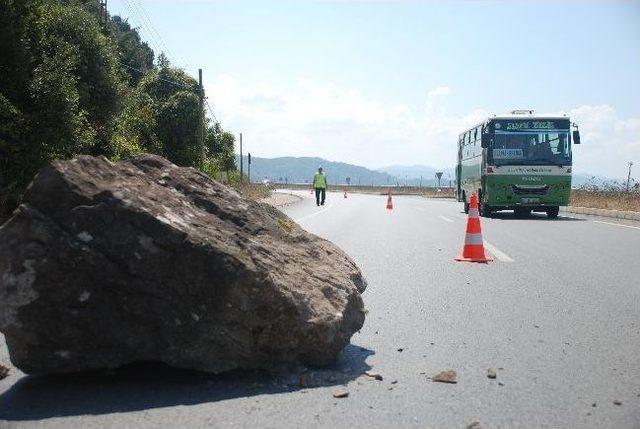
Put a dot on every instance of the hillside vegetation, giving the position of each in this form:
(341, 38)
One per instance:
(69, 86)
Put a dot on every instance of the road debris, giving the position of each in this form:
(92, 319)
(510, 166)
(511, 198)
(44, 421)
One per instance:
(306, 380)
(491, 374)
(448, 376)
(340, 392)
(4, 372)
(593, 405)
(193, 218)
(394, 382)
(400, 350)
(373, 375)
(616, 402)
(474, 425)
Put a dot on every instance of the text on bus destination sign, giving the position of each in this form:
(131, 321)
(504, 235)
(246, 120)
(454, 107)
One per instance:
(527, 125)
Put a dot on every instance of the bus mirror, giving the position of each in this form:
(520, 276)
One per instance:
(576, 137)
(484, 141)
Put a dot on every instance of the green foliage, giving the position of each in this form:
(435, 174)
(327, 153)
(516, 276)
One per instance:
(220, 145)
(69, 86)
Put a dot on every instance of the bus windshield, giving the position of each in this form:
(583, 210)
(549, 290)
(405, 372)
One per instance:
(548, 147)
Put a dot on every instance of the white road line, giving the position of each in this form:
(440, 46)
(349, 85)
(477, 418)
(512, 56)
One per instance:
(501, 256)
(313, 214)
(446, 219)
(617, 224)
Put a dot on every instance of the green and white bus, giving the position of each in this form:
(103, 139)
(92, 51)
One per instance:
(519, 162)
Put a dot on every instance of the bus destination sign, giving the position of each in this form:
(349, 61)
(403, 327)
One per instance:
(531, 125)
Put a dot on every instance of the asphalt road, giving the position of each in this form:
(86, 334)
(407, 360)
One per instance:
(557, 316)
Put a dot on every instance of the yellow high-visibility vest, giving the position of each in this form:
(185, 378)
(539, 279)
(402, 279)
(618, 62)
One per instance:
(320, 181)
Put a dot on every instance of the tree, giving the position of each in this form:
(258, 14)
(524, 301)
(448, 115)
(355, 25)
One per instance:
(68, 86)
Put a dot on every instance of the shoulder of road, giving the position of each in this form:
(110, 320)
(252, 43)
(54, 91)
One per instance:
(617, 214)
(281, 199)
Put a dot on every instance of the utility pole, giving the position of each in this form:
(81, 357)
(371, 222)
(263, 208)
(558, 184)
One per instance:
(629, 175)
(104, 17)
(241, 162)
(201, 127)
(249, 166)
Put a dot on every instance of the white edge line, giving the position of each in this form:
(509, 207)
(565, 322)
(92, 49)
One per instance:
(313, 214)
(501, 256)
(617, 224)
(446, 219)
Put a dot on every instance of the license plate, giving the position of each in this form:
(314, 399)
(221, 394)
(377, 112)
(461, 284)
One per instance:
(530, 200)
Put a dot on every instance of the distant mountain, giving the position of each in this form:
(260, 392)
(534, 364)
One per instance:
(416, 174)
(301, 170)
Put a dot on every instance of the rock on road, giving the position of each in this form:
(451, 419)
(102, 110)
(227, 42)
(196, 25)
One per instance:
(555, 317)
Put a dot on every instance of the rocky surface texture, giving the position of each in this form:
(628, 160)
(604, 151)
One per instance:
(105, 264)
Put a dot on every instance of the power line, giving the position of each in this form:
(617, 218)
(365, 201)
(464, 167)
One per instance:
(137, 9)
(211, 111)
(142, 25)
(145, 16)
(181, 85)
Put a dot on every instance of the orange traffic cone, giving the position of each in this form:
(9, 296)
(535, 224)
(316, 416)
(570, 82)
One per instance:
(389, 202)
(345, 193)
(473, 249)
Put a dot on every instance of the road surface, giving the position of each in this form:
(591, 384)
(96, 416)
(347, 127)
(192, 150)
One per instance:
(557, 316)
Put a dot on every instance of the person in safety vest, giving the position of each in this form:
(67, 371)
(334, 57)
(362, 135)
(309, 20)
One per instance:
(320, 185)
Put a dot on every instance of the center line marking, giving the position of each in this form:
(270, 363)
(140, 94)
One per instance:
(617, 224)
(446, 219)
(497, 253)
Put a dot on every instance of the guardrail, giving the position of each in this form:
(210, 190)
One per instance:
(444, 192)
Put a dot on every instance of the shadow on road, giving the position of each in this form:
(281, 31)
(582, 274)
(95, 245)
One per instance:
(507, 215)
(533, 216)
(153, 385)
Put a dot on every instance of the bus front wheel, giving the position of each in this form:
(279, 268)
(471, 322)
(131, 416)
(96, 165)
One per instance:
(552, 212)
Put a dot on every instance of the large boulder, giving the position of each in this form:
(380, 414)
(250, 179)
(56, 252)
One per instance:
(109, 263)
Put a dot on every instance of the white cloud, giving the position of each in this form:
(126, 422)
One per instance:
(441, 90)
(608, 141)
(320, 119)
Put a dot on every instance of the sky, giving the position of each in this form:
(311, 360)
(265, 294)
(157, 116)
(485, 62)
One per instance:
(379, 83)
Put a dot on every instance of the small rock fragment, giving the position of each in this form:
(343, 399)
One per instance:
(593, 405)
(500, 383)
(394, 382)
(491, 373)
(373, 375)
(340, 392)
(400, 350)
(474, 425)
(305, 380)
(448, 376)
(616, 402)
(4, 372)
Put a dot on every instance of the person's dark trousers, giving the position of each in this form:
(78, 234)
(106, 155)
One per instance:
(320, 195)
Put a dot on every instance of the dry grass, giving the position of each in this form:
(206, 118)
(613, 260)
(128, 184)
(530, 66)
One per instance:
(255, 191)
(610, 199)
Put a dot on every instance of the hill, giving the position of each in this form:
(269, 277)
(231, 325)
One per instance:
(416, 174)
(301, 170)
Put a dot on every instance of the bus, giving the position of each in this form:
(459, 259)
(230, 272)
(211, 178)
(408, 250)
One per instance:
(519, 162)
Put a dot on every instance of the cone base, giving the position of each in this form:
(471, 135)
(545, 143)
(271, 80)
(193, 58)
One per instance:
(482, 260)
